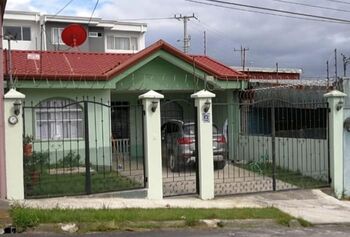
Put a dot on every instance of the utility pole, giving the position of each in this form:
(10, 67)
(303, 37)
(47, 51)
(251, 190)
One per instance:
(346, 60)
(9, 37)
(243, 55)
(187, 38)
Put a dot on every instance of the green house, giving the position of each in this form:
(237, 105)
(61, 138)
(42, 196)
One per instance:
(78, 103)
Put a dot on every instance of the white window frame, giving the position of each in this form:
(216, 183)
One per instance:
(122, 37)
(58, 119)
(53, 38)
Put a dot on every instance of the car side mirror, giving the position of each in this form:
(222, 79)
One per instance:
(347, 124)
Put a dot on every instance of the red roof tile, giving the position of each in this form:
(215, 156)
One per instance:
(63, 65)
(222, 71)
(101, 66)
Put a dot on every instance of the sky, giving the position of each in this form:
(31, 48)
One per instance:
(292, 43)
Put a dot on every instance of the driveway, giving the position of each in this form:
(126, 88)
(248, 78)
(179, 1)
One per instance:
(230, 180)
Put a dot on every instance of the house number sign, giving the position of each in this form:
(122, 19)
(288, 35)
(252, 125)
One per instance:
(206, 117)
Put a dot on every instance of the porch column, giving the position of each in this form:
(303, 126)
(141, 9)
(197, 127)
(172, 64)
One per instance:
(152, 143)
(14, 144)
(336, 103)
(205, 143)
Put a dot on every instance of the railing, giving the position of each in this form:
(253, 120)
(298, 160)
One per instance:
(121, 146)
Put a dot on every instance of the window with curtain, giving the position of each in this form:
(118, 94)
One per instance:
(122, 43)
(56, 35)
(58, 119)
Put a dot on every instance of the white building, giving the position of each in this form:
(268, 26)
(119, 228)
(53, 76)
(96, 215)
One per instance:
(35, 31)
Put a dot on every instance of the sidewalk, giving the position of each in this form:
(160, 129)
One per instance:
(311, 205)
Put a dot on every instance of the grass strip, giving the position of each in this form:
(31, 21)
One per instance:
(28, 217)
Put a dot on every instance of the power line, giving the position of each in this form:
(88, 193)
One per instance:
(64, 7)
(264, 13)
(93, 11)
(310, 5)
(148, 19)
(338, 1)
(305, 15)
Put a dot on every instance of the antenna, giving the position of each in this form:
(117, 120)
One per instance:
(74, 35)
(187, 38)
(205, 43)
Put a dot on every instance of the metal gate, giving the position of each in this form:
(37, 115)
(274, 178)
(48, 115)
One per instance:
(74, 147)
(179, 148)
(272, 144)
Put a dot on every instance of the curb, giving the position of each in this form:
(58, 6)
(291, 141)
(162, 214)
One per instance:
(149, 225)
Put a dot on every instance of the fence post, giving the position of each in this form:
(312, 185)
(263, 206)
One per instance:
(87, 149)
(273, 145)
(336, 103)
(14, 144)
(152, 143)
(205, 143)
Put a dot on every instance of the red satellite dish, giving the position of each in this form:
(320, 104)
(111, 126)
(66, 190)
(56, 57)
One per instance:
(74, 35)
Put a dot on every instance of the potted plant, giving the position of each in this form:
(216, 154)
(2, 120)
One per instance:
(27, 145)
(33, 167)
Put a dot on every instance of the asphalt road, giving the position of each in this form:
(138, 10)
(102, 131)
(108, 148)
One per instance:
(321, 231)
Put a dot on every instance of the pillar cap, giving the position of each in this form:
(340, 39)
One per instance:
(13, 94)
(203, 94)
(151, 95)
(334, 94)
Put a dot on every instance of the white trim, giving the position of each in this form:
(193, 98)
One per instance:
(267, 69)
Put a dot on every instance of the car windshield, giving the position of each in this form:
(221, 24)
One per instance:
(189, 129)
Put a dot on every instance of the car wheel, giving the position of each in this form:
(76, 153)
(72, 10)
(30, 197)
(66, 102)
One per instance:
(219, 165)
(173, 162)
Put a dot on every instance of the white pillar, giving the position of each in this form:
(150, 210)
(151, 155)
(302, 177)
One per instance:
(336, 103)
(152, 143)
(205, 143)
(14, 145)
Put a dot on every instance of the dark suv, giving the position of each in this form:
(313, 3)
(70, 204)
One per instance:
(179, 149)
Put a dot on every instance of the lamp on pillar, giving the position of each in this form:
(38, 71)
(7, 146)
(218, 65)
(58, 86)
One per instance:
(339, 105)
(17, 107)
(206, 106)
(154, 106)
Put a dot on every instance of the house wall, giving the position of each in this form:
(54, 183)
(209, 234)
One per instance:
(49, 39)
(35, 41)
(99, 125)
(346, 86)
(2, 122)
(160, 75)
(96, 44)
